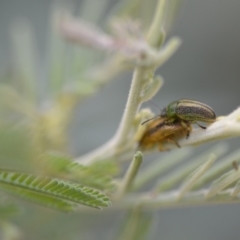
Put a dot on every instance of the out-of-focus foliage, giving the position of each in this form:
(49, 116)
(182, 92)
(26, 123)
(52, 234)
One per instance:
(98, 175)
(51, 191)
(7, 210)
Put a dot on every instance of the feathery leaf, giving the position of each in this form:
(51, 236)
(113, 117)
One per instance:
(51, 191)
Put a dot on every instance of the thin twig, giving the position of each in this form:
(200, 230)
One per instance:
(224, 181)
(152, 37)
(195, 176)
(159, 166)
(169, 200)
(130, 175)
(173, 178)
(140, 79)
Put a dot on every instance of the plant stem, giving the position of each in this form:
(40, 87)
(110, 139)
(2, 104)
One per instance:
(140, 78)
(157, 23)
(132, 106)
(130, 175)
(169, 200)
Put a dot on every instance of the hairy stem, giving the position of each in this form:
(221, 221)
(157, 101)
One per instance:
(130, 175)
(156, 25)
(140, 78)
(132, 106)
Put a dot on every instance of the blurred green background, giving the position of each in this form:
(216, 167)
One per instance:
(205, 68)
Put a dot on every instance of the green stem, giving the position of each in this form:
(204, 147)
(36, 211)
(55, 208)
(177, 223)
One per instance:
(132, 106)
(155, 28)
(130, 175)
(140, 77)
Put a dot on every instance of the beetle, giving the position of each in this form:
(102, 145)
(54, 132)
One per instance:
(160, 131)
(188, 110)
(175, 120)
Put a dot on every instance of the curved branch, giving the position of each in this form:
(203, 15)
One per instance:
(224, 127)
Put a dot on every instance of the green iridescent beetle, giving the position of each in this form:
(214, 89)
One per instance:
(188, 110)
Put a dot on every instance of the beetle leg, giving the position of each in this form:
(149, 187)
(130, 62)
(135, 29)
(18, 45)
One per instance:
(174, 142)
(187, 127)
(235, 165)
(200, 125)
(169, 140)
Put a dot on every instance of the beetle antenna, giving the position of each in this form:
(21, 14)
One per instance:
(154, 104)
(149, 119)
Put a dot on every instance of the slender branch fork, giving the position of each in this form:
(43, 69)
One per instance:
(146, 57)
(149, 60)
